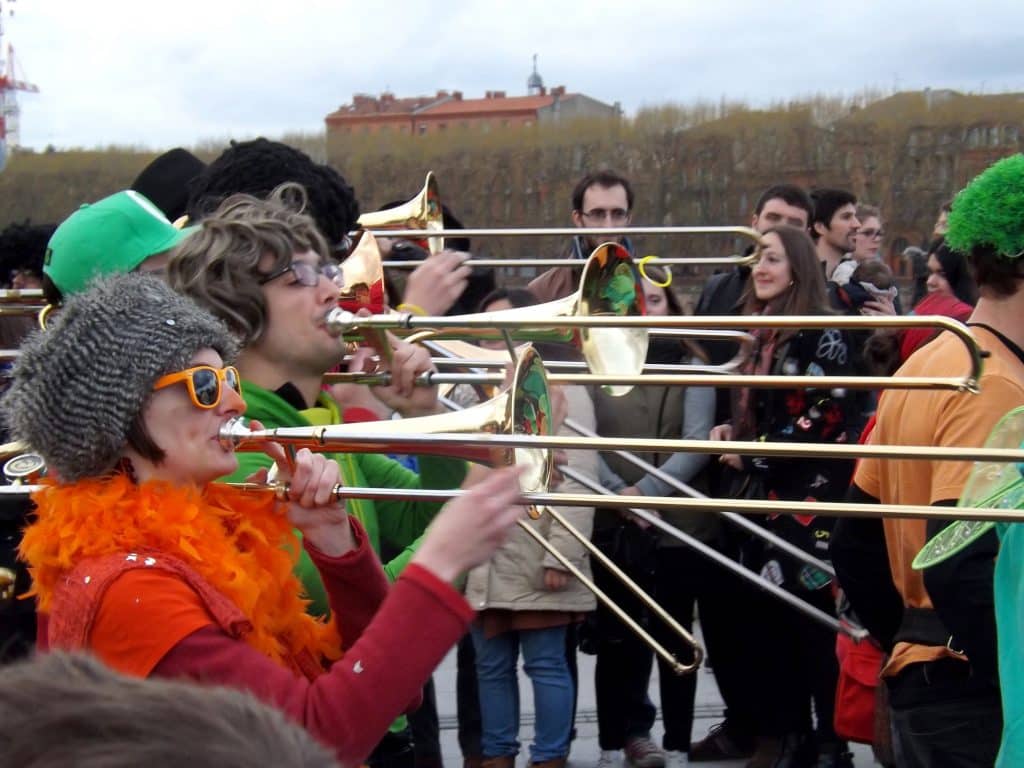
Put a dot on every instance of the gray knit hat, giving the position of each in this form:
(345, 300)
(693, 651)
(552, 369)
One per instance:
(78, 386)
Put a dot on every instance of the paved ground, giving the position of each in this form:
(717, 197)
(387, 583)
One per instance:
(585, 749)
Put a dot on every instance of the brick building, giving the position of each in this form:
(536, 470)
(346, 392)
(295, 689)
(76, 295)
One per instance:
(420, 115)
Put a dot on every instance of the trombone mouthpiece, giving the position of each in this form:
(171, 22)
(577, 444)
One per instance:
(233, 432)
(339, 321)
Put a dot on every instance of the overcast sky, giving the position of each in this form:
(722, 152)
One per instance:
(164, 74)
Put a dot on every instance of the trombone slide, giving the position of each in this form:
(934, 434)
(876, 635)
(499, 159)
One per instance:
(341, 322)
(744, 506)
(389, 437)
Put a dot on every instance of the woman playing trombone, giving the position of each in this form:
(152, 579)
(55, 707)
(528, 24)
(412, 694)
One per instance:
(138, 557)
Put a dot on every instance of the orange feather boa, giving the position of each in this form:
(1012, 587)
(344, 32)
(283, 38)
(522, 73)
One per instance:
(240, 542)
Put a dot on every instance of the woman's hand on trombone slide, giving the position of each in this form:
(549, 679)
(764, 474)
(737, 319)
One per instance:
(311, 480)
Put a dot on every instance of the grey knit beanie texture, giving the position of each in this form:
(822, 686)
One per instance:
(78, 386)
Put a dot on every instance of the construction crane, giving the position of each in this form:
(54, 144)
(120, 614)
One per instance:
(10, 84)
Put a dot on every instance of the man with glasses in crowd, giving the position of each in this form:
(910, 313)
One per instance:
(867, 243)
(600, 199)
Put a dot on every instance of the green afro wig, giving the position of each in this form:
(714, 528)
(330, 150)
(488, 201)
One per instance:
(989, 211)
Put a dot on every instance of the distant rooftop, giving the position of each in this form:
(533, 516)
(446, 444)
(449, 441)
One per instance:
(445, 103)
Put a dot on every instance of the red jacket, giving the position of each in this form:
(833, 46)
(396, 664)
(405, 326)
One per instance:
(393, 639)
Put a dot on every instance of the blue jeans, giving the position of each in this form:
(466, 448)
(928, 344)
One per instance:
(544, 663)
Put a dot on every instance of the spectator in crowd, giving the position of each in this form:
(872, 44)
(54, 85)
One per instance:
(917, 259)
(867, 242)
(166, 180)
(870, 281)
(676, 575)
(949, 274)
(68, 709)
(599, 199)
(124, 232)
(724, 622)
(833, 226)
(787, 280)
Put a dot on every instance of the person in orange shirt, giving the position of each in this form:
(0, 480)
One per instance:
(137, 556)
(939, 625)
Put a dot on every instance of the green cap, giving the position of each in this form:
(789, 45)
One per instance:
(989, 211)
(114, 235)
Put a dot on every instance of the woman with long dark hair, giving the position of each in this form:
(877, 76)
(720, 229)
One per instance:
(800, 659)
(948, 273)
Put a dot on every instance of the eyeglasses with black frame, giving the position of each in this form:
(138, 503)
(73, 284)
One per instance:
(603, 214)
(305, 274)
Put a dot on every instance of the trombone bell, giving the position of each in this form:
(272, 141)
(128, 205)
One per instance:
(361, 281)
(523, 408)
(422, 213)
(610, 287)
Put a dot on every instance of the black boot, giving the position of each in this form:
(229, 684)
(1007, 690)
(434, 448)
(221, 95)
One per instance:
(798, 751)
(834, 754)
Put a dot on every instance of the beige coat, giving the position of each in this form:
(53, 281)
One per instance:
(514, 577)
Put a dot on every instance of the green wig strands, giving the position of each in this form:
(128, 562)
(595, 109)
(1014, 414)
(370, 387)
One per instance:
(989, 211)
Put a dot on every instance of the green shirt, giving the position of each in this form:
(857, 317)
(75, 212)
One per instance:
(399, 522)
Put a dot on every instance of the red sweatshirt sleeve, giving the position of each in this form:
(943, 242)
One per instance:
(355, 583)
(350, 707)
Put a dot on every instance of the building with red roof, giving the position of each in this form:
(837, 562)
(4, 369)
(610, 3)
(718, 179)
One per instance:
(449, 111)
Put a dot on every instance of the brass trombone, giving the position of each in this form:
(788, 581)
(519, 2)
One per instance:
(392, 437)
(602, 232)
(604, 319)
(610, 285)
(615, 368)
(523, 409)
(421, 216)
(709, 552)
(33, 296)
(737, 520)
(856, 632)
(758, 507)
(453, 353)
(650, 375)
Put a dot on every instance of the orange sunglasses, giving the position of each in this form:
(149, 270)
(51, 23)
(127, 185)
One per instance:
(205, 383)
